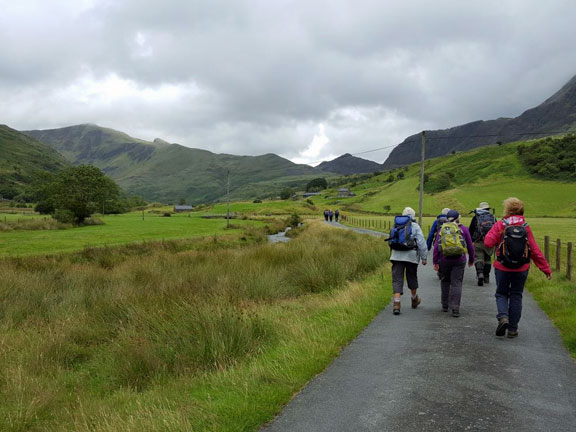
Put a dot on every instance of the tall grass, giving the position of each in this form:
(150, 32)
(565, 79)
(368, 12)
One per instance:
(100, 340)
(558, 299)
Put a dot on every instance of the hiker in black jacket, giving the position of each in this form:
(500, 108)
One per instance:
(481, 223)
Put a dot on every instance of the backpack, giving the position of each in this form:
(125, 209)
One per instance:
(451, 241)
(514, 250)
(401, 237)
(484, 223)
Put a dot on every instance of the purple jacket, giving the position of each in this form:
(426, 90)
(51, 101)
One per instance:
(441, 259)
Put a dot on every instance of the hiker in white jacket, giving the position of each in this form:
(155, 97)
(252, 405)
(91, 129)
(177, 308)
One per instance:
(405, 262)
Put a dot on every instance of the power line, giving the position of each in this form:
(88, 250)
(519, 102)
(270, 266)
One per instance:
(429, 138)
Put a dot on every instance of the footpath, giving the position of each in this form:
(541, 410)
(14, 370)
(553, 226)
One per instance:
(425, 370)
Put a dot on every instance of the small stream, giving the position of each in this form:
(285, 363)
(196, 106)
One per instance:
(279, 237)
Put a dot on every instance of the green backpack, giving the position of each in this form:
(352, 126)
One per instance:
(451, 242)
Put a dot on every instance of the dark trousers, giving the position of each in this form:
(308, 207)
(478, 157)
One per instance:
(399, 268)
(509, 290)
(451, 278)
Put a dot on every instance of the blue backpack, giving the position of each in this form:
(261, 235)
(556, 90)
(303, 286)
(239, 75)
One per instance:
(401, 237)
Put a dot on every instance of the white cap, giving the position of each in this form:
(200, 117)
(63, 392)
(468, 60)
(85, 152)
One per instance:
(409, 211)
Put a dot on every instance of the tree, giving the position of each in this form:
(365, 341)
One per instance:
(286, 194)
(317, 185)
(82, 190)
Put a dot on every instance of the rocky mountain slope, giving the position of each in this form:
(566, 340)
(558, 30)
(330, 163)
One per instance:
(22, 159)
(555, 115)
(168, 172)
(348, 164)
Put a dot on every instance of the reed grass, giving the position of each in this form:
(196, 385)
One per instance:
(205, 334)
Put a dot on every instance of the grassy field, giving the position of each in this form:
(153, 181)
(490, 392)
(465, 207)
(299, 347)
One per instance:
(558, 299)
(118, 229)
(197, 335)
(490, 174)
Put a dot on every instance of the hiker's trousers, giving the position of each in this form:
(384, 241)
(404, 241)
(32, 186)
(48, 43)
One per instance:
(482, 254)
(399, 268)
(452, 275)
(509, 290)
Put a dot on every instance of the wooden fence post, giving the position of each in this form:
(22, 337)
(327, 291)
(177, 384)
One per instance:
(547, 248)
(558, 254)
(569, 261)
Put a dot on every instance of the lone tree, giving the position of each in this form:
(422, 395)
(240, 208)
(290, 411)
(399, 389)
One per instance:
(81, 191)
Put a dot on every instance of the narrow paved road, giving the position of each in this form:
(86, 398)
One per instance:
(427, 371)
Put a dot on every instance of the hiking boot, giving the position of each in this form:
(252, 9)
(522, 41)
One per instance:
(396, 308)
(444, 308)
(512, 333)
(481, 280)
(502, 326)
(455, 313)
(415, 302)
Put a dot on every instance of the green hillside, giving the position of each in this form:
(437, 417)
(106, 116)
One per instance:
(169, 172)
(486, 174)
(22, 158)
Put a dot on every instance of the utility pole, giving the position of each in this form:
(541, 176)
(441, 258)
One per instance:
(422, 177)
(228, 199)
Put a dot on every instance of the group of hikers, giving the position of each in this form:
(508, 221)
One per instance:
(330, 215)
(454, 245)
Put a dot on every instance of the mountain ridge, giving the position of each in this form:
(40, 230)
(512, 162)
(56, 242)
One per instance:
(23, 159)
(348, 164)
(167, 172)
(556, 115)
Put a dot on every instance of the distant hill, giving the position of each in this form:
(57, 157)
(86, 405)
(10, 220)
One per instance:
(556, 114)
(22, 158)
(168, 172)
(348, 164)
(461, 181)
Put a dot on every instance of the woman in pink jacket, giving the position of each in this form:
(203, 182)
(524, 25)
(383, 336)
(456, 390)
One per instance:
(516, 247)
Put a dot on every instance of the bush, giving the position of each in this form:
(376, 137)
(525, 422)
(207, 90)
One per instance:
(286, 194)
(551, 158)
(294, 220)
(64, 216)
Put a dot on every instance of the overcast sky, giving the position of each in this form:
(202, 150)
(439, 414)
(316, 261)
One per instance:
(306, 79)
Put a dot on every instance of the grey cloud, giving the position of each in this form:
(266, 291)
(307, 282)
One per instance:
(270, 72)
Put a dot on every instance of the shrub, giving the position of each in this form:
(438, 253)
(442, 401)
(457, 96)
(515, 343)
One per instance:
(64, 216)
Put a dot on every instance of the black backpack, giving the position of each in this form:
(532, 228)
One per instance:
(484, 223)
(514, 250)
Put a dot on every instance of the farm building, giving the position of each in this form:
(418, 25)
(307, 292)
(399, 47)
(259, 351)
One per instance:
(182, 208)
(345, 192)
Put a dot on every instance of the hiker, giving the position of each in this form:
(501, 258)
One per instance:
(326, 215)
(481, 223)
(516, 247)
(440, 219)
(408, 247)
(330, 215)
(336, 215)
(450, 248)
